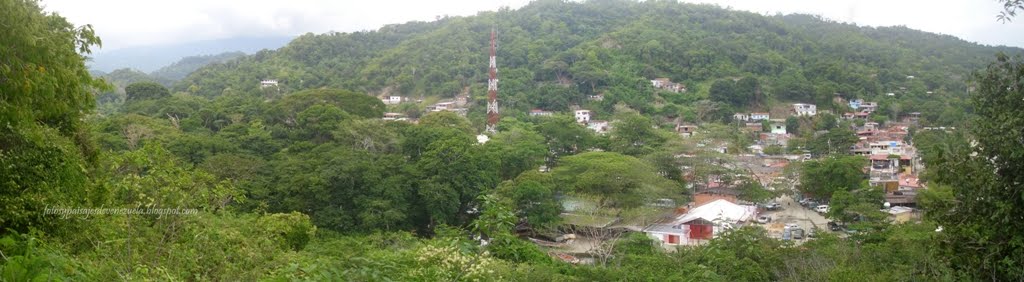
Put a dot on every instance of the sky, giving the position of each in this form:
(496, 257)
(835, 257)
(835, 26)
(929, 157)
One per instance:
(138, 23)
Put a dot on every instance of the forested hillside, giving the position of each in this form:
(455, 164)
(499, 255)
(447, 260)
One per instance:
(553, 54)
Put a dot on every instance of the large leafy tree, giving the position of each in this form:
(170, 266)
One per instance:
(614, 180)
(837, 173)
(145, 90)
(45, 90)
(980, 206)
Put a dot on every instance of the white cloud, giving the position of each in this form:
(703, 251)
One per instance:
(128, 23)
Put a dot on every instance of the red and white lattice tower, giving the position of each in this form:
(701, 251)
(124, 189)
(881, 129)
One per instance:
(492, 92)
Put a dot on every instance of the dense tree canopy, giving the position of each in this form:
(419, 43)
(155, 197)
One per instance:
(823, 177)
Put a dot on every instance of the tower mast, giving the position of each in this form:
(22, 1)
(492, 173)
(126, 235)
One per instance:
(492, 91)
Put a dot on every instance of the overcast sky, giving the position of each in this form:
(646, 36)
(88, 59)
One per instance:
(131, 23)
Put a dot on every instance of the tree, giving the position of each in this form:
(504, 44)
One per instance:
(981, 220)
(633, 135)
(793, 125)
(146, 90)
(45, 93)
(564, 136)
(518, 149)
(835, 141)
(44, 78)
(614, 180)
(823, 177)
(445, 119)
(1010, 8)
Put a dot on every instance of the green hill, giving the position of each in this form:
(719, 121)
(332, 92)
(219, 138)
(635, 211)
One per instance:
(614, 47)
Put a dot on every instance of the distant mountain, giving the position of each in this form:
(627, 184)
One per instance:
(187, 65)
(150, 58)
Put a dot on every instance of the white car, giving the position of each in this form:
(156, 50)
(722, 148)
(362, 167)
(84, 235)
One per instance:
(821, 209)
(764, 219)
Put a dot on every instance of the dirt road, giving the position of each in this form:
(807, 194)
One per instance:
(792, 212)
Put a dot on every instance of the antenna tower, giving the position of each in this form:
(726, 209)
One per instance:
(492, 91)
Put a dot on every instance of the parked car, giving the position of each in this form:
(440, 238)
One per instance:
(764, 219)
(771, 206)
(798, 233)
(821, 209)
(832, 225)
(810, 204)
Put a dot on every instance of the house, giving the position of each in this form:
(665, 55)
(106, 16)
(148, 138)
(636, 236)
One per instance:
(667, 84)
(704, 222)
(871, 126)
(540, 113)
(753, 126)
(599, 126)
(598, 97)
(461, 100)
(394, 116)
(914, 117)
(741, 117)
(855, 103)
(868, 107)
(759, 116)
(686, 130)
(886, 148)
(393, 100)
(909, 182)
(884, 171)
(268, 83)
(756, 149)
(778, 126)
(900, 214)
(582, 116)
(442, 106)
(801, 109)
(857, 115)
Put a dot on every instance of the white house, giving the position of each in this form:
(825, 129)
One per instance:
(759, 116)
(540, 113)
(667, 84)
(392, 100)
(704, 222)
(268, 83)
(741, 116)
(778, 127)
(582, 116)
(805, 109)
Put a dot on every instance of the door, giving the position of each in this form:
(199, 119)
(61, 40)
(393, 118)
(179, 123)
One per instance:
(672, 239)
